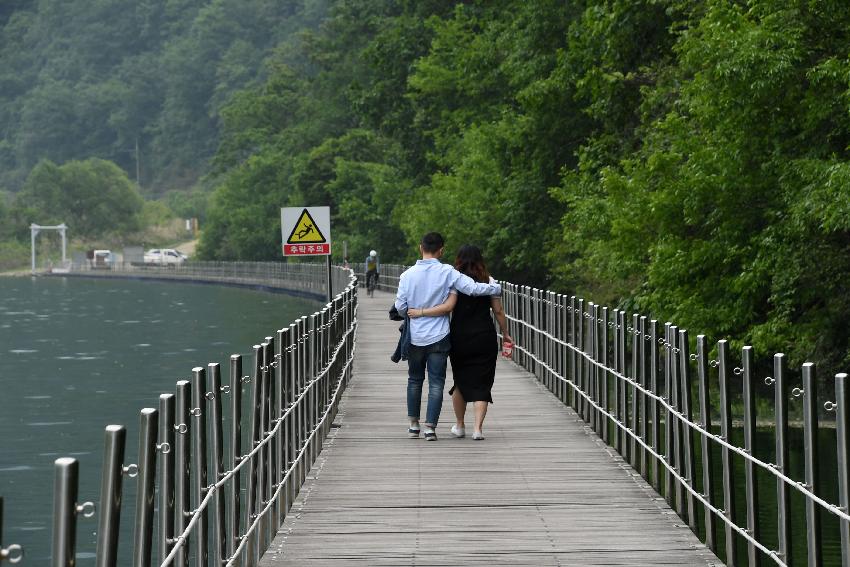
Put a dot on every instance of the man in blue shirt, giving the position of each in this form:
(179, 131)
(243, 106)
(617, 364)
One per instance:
(423, 287)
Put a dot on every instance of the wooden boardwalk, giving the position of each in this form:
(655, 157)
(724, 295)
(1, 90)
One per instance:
(541, 489)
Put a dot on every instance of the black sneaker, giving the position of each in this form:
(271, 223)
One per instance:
(413, 432)
(430, 435)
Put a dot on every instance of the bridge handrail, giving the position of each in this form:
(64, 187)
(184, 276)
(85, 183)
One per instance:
(303, 276)
(583, 357)
(296, 383)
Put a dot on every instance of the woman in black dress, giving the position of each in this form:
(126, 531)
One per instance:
(474, 344)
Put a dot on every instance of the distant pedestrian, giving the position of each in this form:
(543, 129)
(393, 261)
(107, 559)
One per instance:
(424, 295)
(371, 267)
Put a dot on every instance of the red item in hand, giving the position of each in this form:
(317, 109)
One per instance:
(507, 349)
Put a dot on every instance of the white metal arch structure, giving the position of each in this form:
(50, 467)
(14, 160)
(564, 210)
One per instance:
(36, 228)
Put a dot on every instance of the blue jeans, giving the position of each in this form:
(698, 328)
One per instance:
(433, 357)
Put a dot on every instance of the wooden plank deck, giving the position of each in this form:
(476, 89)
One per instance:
(541, 489)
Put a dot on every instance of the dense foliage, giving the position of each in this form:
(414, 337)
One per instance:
(128, 80)
(685, 158)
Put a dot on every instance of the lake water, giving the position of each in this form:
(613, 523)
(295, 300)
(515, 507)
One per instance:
(78, 354)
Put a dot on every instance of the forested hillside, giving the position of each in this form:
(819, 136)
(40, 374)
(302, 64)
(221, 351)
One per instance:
(101, 78)
(687, 158)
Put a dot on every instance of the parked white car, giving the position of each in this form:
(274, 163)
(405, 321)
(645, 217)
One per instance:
(164, 257)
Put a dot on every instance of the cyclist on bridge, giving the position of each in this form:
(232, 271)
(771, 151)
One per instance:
(371, 267)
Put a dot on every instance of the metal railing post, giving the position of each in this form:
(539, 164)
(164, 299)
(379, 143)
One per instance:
(65, 489)
(580, 367)
(199, 470)
(112, 476)
(653, 386)
(842, 425)
(705, 443)
(253, 493)
(234, 488)
(217, 449)
(642, 379)
(604, 385)
(783, 490)
(668, 419)
(633, 374)
(143, 531)
(291, 420)
(676, 403)
(283, 450)
(726, 453)
(573, 337)
(623, 412)
(166, 474)
(752, 495)
(618, 416)
(810, 459)
(689, 462)
(183, 460)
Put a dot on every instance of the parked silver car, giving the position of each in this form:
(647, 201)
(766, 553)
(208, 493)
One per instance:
(164, 257)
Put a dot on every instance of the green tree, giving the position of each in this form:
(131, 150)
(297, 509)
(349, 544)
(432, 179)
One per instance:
(93, 197)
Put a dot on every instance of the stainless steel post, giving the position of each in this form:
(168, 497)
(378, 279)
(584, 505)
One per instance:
(304, 406)
(573, 334)
(783, 490)
(65, 489)
(199, 470)
(689, 462)
(606, 365)
(726, 453)
(291, 420)
(581, 364)
(143, 531)
(621, 364)
(234, 488)
(653, 386)
(217, 450)
(633, 374)
(676, 402)
(618, 417)
(842, 426)
(265, 464)
(166, 475)
(284, 450)
(112, 476)
(183, 457)
(592, 369)
(641, 377)
(669, 492)
(253, 493)
(810, 459)
(753, 525)
(705, 442)
(279, 404)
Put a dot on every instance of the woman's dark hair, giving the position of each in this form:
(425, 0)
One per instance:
(469, 261)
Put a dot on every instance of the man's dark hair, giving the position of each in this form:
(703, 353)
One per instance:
(432, 242)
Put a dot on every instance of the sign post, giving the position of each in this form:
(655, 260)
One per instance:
(306, 231)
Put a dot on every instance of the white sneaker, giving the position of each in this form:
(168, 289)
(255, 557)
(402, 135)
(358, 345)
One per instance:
(477, 436)
(458, 431)
(430, 434)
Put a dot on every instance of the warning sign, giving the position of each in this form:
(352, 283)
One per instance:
(306, 231)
